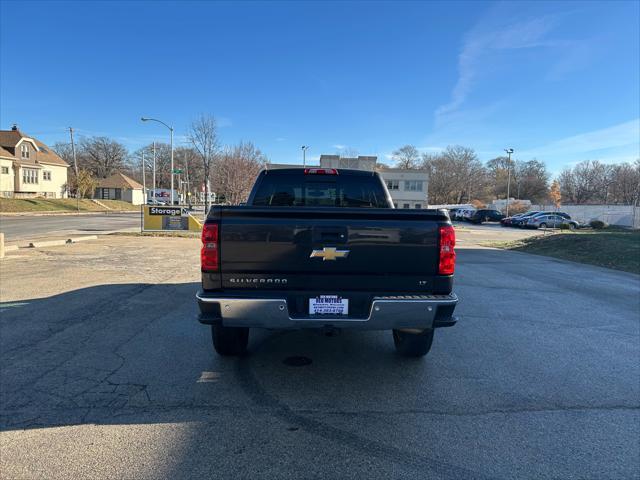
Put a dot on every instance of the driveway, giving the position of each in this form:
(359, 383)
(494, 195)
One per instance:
(107, 374)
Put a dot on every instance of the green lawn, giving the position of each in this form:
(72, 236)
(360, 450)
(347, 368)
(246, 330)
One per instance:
(19, 205)
(612, 248)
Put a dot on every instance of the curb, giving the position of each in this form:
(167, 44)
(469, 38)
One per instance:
(82, 239)
(57, 243)
(63, 213)
(47, 243)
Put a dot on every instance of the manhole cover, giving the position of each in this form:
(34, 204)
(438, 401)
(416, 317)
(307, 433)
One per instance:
(297, 361)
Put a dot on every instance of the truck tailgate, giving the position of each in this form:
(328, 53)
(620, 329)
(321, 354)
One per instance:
(328, 248)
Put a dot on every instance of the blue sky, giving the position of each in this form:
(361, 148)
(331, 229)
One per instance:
(556, 81)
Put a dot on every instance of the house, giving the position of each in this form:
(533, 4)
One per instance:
(120, 187)
(29, 168)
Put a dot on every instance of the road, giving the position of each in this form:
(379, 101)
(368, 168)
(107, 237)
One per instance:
(107, 374)
(28, 227)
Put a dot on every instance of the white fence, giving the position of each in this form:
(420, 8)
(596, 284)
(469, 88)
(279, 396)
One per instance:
(620, 215)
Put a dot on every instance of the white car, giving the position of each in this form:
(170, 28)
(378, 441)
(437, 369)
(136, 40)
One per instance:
(466, 213)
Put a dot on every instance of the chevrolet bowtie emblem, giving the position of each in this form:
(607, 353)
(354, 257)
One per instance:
(329, 253)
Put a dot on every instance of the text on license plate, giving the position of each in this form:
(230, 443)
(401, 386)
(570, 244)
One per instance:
(328, 304)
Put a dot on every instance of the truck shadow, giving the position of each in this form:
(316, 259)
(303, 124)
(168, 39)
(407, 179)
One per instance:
(131, 353)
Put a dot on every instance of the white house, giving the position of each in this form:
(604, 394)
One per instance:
(120, 187)
(29, 168)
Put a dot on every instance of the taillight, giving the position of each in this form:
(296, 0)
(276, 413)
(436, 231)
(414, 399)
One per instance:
(447, 263)
(209, 255)
(320, 171)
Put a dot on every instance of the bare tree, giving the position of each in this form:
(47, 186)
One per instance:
(102, 156)
(455, 175)
(592, 181)
(406, 157)
(203, 135)
(624, 184)
(236, 171)
(530, 179)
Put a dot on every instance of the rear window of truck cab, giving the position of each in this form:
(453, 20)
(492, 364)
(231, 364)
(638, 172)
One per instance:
(300, 190)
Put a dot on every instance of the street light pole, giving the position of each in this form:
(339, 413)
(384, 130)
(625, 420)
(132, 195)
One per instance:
(304, 155)
(509, 152)
(75, 167)
(145, 119)
(154, 172)
(171, 130)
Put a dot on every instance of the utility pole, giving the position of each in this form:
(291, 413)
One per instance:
(144, 183)
(75, 167)
(186, 166)
(304, 155)
(171, 130)
(154, 172)
(509, 152)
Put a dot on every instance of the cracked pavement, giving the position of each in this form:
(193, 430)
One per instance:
(105, 373)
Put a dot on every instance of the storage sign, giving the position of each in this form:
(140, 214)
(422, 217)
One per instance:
(159, 218)
(173, 211)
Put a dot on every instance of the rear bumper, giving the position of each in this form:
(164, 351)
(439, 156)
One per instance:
(385, 313)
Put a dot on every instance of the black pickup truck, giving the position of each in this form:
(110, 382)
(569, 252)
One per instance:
(324, 248)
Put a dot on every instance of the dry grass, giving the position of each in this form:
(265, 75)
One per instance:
(25, 205)
(612, 248)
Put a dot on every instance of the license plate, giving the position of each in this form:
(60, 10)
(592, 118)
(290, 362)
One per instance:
(328, 304)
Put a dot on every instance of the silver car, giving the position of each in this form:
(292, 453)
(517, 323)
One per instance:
(550, 221)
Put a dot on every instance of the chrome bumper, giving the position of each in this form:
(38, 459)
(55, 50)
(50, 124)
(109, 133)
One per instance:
(387, 312)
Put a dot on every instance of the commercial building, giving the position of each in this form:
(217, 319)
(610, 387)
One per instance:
(29, 168)
(408, 188)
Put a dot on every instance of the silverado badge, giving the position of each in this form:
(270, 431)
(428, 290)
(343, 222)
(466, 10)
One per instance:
(329, 253)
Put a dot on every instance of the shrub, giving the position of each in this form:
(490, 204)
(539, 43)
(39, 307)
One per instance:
(565, 226)
(597, 224)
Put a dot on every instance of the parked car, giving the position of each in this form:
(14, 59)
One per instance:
(553, 220)
(485, 215)
(453, 212)
(517, 222)
(465, 213)
(458, 214)
(506, 221)
(307, 251)
(530, 218)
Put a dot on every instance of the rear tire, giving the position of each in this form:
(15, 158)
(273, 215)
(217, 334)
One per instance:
(413, 344)
(230, 341)
(543, 225)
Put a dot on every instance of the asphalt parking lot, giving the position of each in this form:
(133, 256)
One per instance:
(107, 374)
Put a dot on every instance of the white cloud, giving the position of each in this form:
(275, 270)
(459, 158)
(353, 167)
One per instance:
(280, 139)
(485, 39)
(340, 147)
(624, 135)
